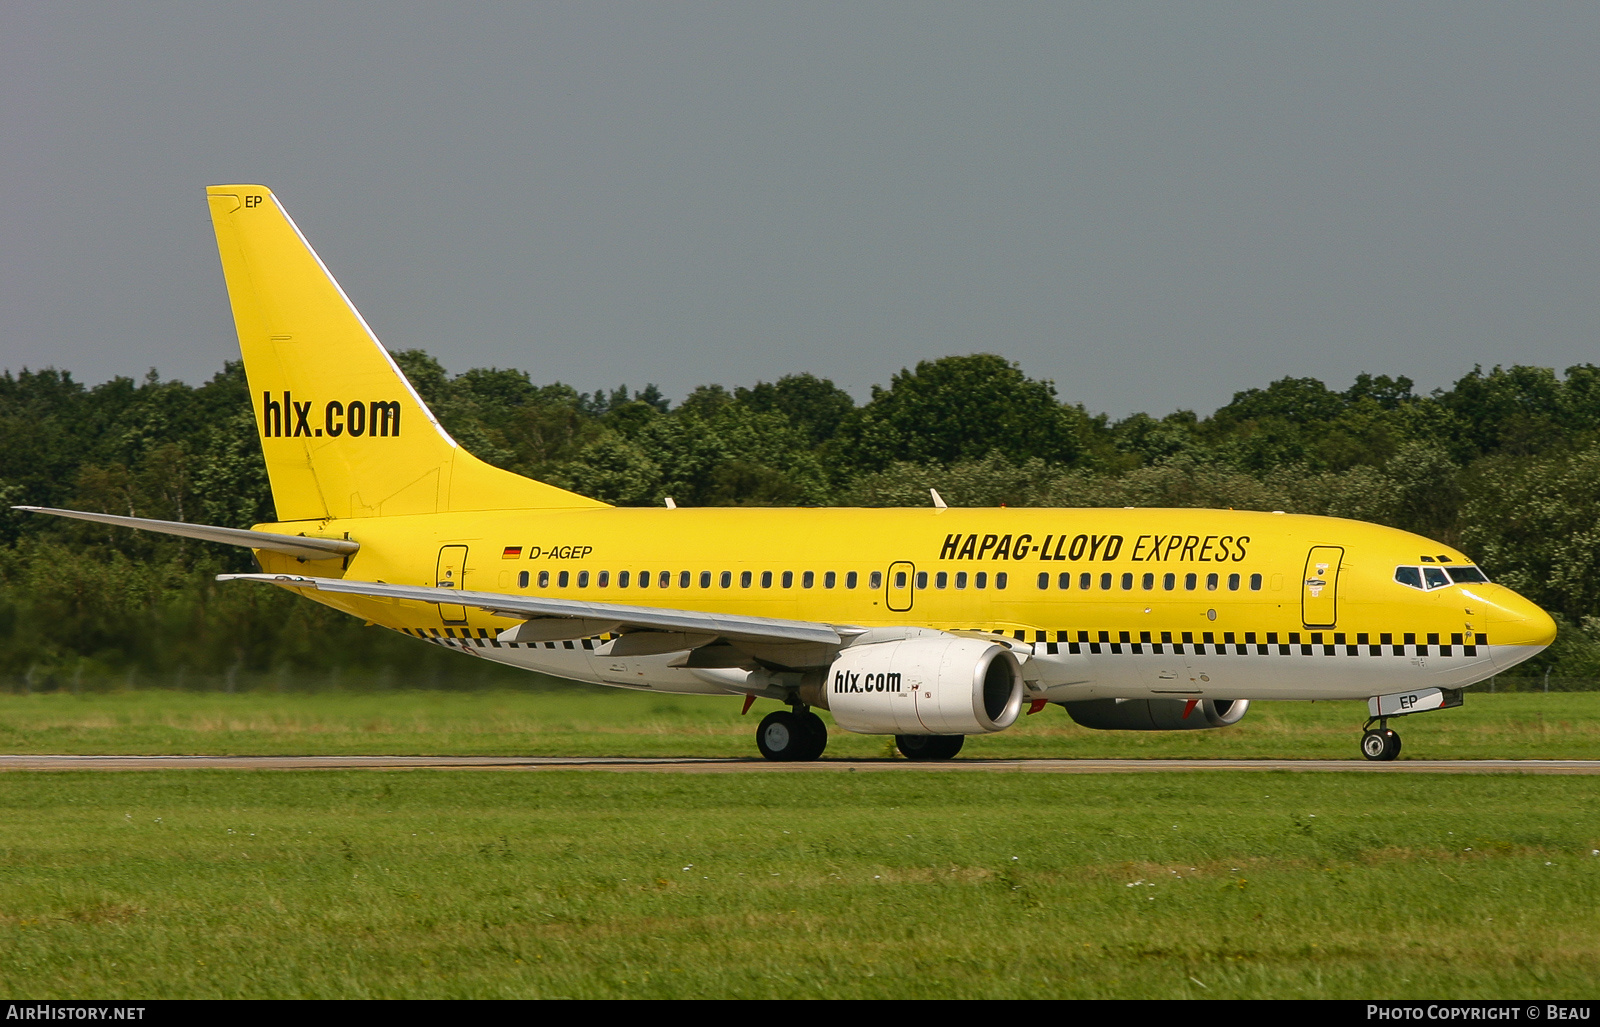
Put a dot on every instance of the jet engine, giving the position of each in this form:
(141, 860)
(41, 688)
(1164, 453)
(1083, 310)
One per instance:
(1156, 714)
(930, 685)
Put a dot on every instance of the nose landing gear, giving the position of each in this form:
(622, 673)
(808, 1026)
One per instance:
(1381, 743)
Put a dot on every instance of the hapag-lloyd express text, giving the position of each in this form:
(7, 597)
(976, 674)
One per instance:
(1097, 548)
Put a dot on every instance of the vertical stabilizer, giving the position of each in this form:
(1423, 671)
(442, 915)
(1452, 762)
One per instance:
(344, 433)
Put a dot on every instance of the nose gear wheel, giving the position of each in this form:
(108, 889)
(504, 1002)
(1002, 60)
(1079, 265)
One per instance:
(1382, 744)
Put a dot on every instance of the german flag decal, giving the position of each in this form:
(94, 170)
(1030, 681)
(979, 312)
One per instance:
(512, 553)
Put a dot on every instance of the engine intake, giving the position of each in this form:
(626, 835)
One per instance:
(940, 685)
(1156, 714)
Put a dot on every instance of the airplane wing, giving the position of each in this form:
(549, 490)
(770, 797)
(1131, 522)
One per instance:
(547, 619)
(291, 545)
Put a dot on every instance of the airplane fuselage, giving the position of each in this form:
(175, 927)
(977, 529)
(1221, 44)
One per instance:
(1101, 603)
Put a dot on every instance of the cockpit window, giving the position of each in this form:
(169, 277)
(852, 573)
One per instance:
(1428, 578)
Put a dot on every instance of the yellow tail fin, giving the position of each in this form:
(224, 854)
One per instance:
(344, 433)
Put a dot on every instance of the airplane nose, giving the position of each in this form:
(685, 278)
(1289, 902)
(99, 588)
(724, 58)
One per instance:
(1515, 621)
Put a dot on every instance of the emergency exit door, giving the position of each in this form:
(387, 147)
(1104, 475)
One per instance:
(900, 587)
(452, 573)
(1319, 587)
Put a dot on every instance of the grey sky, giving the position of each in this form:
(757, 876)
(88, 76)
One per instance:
(1153, 204)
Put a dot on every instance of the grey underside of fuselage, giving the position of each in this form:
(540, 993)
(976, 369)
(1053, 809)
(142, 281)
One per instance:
(1242, 671)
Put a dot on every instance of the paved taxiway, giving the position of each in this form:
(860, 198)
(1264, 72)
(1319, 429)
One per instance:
(744, 766)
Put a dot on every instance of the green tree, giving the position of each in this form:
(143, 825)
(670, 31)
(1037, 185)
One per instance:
(962, 408)
(814, 405)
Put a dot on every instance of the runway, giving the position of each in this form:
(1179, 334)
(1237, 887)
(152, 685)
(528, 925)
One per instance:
(680, 765)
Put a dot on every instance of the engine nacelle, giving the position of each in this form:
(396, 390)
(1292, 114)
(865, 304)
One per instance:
(938, 685)
(1156, 714)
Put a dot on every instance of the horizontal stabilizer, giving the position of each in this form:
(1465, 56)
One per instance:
(289, 545)
(584, 615)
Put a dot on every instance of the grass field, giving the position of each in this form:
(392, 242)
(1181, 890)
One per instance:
(516, 884)
(579, 721)
(506, 884)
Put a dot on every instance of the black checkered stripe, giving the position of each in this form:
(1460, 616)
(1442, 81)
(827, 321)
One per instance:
(460, 638)
(1252, 643)
(1116, 643)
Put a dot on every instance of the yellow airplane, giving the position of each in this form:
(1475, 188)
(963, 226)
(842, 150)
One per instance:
(926, 624)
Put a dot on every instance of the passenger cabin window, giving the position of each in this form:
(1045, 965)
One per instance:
(875, 582)
(605, 579)
(1064, 580)
(961, 579)
(705, 578)
(808, 579)
(829, 579)
(1044, 580)
(727, 579)
(980, 580)
(745, 578)
(941, 580)
(561, 580)
(522, 580)
(544, 579)
(583, 579)
(766, 579)
(850, 579)
(922, 580)
(1000, 580)
(788, 579)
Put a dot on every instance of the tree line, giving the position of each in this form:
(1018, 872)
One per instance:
(1505, 464)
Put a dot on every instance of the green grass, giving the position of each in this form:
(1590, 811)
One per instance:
(578, 721)
(515, 884)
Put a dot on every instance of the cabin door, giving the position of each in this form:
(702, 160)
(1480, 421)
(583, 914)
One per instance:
(1319, 587)
(452, 573)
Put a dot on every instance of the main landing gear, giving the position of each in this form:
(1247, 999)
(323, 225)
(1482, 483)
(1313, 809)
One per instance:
(929, 747)
(792, 736)
(1381, 743)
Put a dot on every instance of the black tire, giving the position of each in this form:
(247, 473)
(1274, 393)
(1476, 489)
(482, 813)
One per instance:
(929, 747)
(789, 738)
(1381, 746)
(816, 733)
